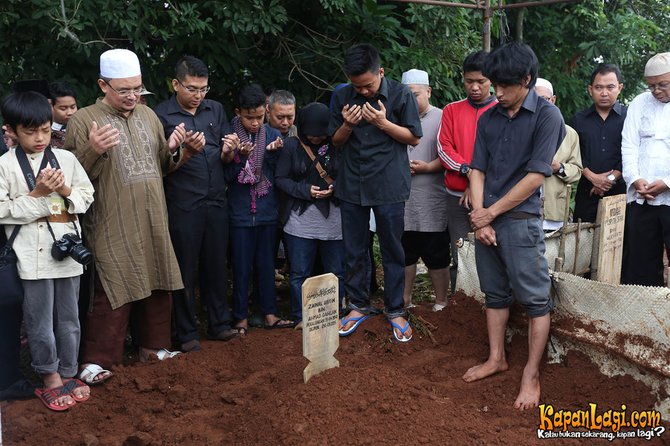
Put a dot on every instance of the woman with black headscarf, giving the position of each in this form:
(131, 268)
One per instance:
(306, 174)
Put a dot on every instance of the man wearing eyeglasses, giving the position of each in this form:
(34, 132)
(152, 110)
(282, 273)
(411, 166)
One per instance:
(122, 146)
(599, 128)
(196, 202)
(646, 169)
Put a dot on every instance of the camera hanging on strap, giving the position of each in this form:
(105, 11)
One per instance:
(70, 244)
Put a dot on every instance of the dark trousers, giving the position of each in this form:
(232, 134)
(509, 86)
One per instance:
(10, 344)
(200, 241)
(355, 234)
(647, 233)
(252, 247)
(105, 333)
(302, 257)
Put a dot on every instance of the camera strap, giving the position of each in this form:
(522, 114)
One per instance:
(27, 169)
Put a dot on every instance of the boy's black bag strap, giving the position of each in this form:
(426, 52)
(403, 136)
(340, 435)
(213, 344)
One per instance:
(27, 169)
(13, 236)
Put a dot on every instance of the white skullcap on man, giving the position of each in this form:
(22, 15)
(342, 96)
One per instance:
(542, 82)
(119, 64)
(658, 65)
(414, 76)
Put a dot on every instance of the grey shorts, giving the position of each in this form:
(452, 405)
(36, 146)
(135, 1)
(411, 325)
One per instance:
(516, 269)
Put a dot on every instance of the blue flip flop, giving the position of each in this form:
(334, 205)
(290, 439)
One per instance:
(403, 330)
(357, 320)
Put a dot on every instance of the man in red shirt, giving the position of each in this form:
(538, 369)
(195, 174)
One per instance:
(456, 142)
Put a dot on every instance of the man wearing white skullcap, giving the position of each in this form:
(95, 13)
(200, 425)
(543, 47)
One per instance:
(566, 167)
(426, 235)
(646, 169)
(121, 145)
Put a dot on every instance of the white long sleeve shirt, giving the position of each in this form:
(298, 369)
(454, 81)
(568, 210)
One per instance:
(33, 242)
(645, 146)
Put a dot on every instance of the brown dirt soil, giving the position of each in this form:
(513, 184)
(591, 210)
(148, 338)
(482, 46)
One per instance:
(250, 391)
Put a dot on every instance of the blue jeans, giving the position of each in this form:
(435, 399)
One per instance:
(301, 255)
(355, 234)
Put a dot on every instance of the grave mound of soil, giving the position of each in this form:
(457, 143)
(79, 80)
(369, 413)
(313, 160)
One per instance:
(250, 391)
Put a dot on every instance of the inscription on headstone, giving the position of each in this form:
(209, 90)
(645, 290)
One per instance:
(612, 218)
(320, 338)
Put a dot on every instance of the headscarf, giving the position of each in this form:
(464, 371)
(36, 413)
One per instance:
(313, 120)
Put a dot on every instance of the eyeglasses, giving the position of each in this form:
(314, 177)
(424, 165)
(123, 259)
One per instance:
(194, 90)
(662, 86)
(127, 91)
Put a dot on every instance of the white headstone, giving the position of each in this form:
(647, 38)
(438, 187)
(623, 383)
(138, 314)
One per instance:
(609, 236)
(320, 337)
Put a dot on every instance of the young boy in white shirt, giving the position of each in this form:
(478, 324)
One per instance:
(49, 256)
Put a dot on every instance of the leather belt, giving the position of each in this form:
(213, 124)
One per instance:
(63, 217)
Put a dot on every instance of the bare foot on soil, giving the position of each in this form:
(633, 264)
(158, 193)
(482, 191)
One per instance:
(484, 370)
(529, 394)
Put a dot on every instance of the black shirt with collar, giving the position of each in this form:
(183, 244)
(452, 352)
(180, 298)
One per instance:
(374, 167)
(507, 148)
(600, 142)
(200, 180)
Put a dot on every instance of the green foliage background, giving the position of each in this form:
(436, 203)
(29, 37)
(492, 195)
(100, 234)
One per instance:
(298, 44)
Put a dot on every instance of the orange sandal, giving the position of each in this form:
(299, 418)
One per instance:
(73, 384)
(49, 397)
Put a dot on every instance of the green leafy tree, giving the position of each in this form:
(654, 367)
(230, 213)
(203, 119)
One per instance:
(299, 44)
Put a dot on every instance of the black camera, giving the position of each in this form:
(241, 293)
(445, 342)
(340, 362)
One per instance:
(71, 245)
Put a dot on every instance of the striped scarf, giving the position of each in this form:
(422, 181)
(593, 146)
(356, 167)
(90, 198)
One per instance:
(252, 173)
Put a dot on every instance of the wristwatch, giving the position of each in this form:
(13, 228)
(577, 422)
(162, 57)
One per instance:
(464, 170)
(561, 170)
(611, 177)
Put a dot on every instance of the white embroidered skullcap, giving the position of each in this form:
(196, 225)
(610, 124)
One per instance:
(542, 82)
(119, 64)
(657, 65)
(414, 76)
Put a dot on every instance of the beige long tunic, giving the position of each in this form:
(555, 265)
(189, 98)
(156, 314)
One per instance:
(127, 226)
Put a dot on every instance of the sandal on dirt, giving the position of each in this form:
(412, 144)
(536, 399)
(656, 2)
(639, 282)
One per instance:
(164, 354)
(73, 384)
(49, 397)
(92, 371)
(280, 323)
(345, 320)
(403, 330)
(242, 331)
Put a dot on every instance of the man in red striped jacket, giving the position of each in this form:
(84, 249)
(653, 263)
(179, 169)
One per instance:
(456, 144)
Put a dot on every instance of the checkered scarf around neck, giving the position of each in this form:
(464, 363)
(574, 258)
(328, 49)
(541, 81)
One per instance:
(252, 173)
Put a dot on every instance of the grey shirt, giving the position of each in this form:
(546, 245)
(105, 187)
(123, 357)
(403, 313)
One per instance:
(426, 209)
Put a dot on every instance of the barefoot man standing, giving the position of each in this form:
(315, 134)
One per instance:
(516, 141)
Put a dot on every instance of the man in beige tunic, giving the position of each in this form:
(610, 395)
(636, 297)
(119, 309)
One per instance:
(121, 145)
